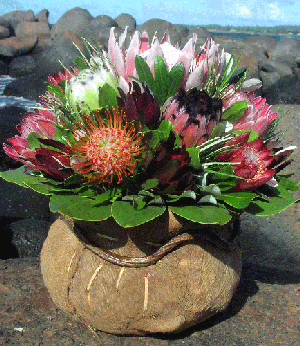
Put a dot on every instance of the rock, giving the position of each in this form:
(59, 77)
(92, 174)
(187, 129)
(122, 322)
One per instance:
(160, 27)
(74, 20)
(183, 31)
(22, 66)
(45, 41)
(62, 49)
(15, 46)
(124, 20)
(280, 82)
(202, 36)
(4, 32)
(102, 21)
(42, 16)
(3, 67)
(15, 17)
(31, 86)
(286, 50)
(32, 28)
(28, 236)
(263, 41)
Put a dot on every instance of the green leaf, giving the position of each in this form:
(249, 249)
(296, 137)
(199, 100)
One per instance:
(80, 208)
(81, 63)
(175, 77)
(238, 200)
(204, 214)
(126, 215)
(144, 73)
(56, 91)
(287, 183)
(18, 177)
(150, 184)
(194, 157)
(161, 80)
(235, 112)
(271, 205)
(107, 96)
(33, 141)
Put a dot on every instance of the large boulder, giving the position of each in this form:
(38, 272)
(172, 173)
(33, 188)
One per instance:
(73, 20)
(202, 36)
(22, 66)
(32, 28)
(159, 27)
(280, 72)
(42, 16)
(15, 17)
(4, 32)
(126, 20)
(15, 46)
(286, 51)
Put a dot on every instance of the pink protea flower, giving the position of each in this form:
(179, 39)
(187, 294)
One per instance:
(257, 116)
(254, 161)
(123, 62)
(203, 64)
(193, 114)
(42, 122)
(105, 150)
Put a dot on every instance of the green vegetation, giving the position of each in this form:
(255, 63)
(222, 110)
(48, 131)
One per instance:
(261, 30)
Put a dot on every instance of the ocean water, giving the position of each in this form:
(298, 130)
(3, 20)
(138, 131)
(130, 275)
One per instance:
(12, 100)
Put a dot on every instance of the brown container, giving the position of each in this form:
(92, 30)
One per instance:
(190, 283)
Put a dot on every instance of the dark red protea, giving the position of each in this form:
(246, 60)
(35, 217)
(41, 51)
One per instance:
(42, 122)
(170, 166)
(194, 114)
(139, 105)
(254, 162)
(55, 163)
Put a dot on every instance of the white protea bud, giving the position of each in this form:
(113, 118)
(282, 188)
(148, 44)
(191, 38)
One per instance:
(82, 91)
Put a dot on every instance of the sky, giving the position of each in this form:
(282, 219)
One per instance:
(196, 12)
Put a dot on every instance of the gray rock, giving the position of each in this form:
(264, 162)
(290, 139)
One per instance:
(3, 67)
(15, 46)
(32, 28)
(4, 32)
(28, 236)
(74, 20)
(286, 50)
(126, 19)
(160, 27)
(22, 66)
(202, 36)
(42, 16)
(15, 17)
(102, 21)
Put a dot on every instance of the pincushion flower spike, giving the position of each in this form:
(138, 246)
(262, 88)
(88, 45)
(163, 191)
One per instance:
(106, 149)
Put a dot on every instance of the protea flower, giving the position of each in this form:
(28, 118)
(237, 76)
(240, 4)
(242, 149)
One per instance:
(204, 63)
(170, 166)
(139, 105)
(82, 91)
(53, 162)
(257, 116)
(106, 149)
(254, 162)
(194, 115)
(42, 122)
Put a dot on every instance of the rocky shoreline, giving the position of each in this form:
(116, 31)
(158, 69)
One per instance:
(31, 48)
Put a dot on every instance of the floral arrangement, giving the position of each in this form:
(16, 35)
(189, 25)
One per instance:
(132, 133)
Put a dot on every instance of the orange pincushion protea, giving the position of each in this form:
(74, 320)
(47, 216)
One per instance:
(106, 150)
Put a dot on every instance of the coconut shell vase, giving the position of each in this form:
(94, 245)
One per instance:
(149, 156)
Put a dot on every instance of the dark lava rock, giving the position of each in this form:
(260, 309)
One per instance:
(31, 86)
(22, 66)
(74, 20)
(125, 19)
(159, 27)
